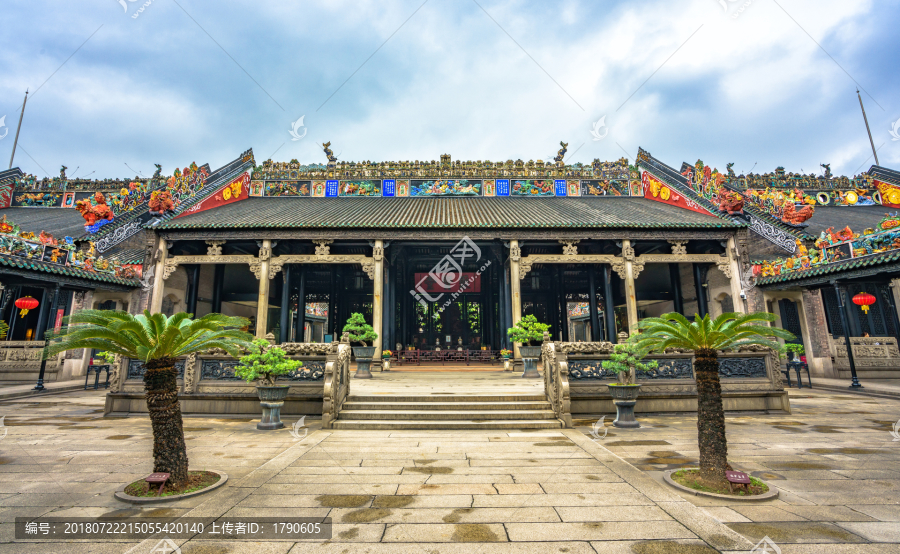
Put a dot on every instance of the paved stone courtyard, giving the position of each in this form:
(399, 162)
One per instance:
(414, 492)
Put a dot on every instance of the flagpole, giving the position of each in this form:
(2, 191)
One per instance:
(874, 153)
(19, 128)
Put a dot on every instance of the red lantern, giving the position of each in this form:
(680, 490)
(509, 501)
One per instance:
(29, 303)
(864, 299)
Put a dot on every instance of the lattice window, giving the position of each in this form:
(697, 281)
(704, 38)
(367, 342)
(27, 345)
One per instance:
(832, 312)
(885, 296)
(790, 319)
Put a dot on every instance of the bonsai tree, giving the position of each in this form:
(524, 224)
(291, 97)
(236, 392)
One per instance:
(706, 338)
(527, 331)
(265, 362)
(359, 330)
(790, 347)
(625, 361)
(107, 357)
(157, 341)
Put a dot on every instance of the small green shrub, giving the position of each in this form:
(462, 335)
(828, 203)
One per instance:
(265, 362)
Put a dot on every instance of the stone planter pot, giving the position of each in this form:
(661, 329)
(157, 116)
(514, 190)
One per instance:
(625, 397)
(363, 361)
(530, 355)
(385, 364)
(271, 399)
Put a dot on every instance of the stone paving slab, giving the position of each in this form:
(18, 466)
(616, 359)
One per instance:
(508, 491)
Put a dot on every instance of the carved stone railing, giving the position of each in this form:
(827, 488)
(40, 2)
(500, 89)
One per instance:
(213, 372)
(337, 382)
(672, 367)
(556, 382)
(869, 353)
(22, 354)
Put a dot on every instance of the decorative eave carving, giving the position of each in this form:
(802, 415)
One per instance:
(215, 247)
(525, 262)
(322, 248)
(679, 247)
(569, 248)
(618, 263)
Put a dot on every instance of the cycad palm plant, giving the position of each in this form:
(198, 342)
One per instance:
(157, 341)
(706, 337)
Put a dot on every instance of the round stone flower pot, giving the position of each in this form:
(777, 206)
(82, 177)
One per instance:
(363, 361)
(530, 355)
(271, 399)
(625, 397)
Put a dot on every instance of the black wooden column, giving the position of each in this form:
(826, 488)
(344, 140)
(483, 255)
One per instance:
(42, 328)
(592, 304)
(407, 308)
(506, 311)
(284, 322)
(699, 282)
(675, 279)
(609, 305)
(300, 326)
(193, 287)
(561, 305)
(839, 291)
(332, 308)
(387, 307)
(218, 283)
(43, 314)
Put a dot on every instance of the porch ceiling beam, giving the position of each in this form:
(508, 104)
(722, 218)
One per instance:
(275, 262)
(451, 234)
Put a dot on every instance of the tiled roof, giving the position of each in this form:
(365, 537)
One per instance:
(478, 212)
(126, 255)
(45, 267)
(849, 264)
(857, 217)
(59, 222)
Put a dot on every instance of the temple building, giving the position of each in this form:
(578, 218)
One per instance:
(444, 256)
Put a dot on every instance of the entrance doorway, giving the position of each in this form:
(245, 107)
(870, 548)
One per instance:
(448, 326)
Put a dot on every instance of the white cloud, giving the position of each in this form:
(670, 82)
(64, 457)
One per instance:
(755, 89)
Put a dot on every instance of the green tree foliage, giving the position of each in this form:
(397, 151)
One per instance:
(107, 357)
(527, 331)
(790, 347)
(4, 328)
(265, 362)
(625, 360)
(359, 330)
(157, 341)
(706, 338)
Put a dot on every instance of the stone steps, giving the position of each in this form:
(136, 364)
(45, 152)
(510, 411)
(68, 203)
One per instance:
(476, 415)
(443, 405)
(444, 425)
(444, 411)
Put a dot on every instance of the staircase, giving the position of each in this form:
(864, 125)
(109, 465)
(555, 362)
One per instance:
(446, 411)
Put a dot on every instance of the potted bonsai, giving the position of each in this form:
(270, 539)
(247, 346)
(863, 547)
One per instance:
(625, 361)
(505, 354)
(791, 351)
(529, 332)
(361, 332)
(264, 363)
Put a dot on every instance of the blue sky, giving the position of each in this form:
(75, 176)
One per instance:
(197, 80)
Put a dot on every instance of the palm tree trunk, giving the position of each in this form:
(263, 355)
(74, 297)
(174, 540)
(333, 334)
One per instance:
(710, 417)
(169, 450)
